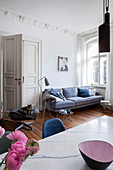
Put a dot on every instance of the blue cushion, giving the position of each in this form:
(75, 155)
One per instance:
(63, 104)
(55, 93)
(95, 99)
(79, 101)
(70, 92)
(83, 92)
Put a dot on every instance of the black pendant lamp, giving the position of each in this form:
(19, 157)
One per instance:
(104, 29)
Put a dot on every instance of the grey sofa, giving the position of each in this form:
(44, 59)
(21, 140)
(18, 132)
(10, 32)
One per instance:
(73, 99)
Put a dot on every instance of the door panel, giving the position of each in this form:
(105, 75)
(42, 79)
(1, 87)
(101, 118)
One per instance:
(12, 56)
(9, 101)
(30, 73)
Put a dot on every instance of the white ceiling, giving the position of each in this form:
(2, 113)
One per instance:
(76, 15)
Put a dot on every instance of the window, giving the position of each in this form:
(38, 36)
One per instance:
(96, 64)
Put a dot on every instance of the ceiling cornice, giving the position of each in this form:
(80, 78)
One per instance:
(34, 22)
(92, 32)
(88, 33)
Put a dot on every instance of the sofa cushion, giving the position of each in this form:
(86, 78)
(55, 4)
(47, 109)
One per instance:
(63, 104)
(80, 100)
(83, 92)
(94, 99)
(70, 92)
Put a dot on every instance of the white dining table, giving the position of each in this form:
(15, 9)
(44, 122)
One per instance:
(60, 151)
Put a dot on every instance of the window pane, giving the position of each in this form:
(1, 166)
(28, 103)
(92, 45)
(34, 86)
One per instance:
(102, 70)
(96, 70)
(93, 49)
(93, 71)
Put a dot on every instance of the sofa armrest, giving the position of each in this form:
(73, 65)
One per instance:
(48, 104)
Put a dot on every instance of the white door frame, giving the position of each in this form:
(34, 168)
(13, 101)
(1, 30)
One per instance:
(1, 76)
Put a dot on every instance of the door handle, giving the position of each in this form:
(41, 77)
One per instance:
(23, 79)
(19, 80)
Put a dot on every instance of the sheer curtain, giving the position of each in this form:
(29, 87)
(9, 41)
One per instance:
(79, 62)
(109, 85)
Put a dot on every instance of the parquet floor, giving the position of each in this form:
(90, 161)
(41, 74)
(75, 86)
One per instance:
(79, 116)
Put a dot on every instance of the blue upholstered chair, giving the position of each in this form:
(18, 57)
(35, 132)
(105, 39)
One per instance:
(51, 127)
(5, 143)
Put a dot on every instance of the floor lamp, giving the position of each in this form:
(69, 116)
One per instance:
(46, 84)
(45, 80)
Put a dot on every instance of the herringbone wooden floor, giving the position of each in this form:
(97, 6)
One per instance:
(79, 116)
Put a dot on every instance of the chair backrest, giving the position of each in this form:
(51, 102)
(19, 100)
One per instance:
(5, 143)
(51, 127)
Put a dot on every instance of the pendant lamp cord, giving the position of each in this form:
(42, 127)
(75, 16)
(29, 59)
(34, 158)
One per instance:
(105, 7)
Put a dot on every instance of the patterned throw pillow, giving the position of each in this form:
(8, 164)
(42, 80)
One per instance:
(48, 96)
(57, 94)
(92, 92)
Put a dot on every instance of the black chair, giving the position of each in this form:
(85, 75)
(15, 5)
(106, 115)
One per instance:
(51, 127)
(5, 143)
(17, 114)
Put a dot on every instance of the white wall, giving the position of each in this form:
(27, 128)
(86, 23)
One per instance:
(54, 44)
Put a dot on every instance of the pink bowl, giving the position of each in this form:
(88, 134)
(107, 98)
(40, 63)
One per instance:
(97, 154)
